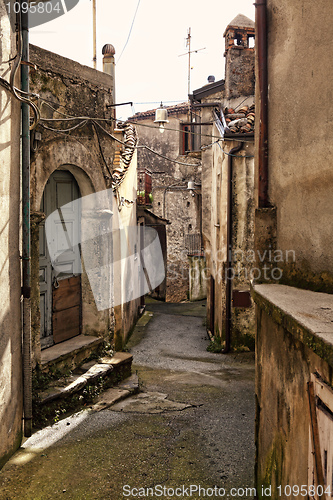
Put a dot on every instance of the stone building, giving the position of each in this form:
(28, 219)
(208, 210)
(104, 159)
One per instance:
(293, 229)
(227, 143)
(11, 390)
(172, 160)
(66, 166)
(84, 287)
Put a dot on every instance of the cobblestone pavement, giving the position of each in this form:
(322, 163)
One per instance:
(189, 433)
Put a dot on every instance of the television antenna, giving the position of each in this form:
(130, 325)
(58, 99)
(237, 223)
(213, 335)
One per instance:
(188, 53)
(94, 34)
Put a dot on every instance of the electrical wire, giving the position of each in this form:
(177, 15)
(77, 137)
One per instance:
(84, 121)
(130, 31)
(157, 102)
(9, 86)
(169, 159)
(79, 125)
(68, 117)
(144, 146)
(133, 122)
(101, 151)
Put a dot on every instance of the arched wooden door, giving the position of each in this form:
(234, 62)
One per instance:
(60, 288)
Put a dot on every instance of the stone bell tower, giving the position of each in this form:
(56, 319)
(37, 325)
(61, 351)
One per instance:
(239, 57)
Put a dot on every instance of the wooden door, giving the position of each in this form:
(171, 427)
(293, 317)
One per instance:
(60, 286)
(66, 298)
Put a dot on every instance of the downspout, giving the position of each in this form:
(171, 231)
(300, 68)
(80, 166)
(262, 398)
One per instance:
(26, 272)
(228, 289)
(261, 47)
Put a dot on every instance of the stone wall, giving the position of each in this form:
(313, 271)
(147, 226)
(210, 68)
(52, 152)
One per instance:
(11, 391)
(171, 198)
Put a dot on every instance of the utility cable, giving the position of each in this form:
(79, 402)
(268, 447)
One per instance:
(101, 151)
(169, 159)
(133, 122)
(9, 86)
(130, 31)
(79, 125)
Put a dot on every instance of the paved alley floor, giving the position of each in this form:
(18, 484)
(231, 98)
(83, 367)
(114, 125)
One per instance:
(189, 433)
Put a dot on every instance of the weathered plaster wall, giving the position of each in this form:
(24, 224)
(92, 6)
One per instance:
(10, 270)
(75, 90)
(127, 271)
(171, 199)
(300, 221)
(198, 278)
(215, 194)
(66, 87)
(300, 73)
(287, 354)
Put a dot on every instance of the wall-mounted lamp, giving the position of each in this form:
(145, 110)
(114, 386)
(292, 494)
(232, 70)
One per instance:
(191, 186)
(161, 117)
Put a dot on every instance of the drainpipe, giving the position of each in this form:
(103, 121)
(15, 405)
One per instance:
(261, 47)
(26, 274)
(228, 289)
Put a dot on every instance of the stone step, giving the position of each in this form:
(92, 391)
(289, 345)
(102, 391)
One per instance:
(112, 368)
(68, 355)
(84, 387)
(116, 394)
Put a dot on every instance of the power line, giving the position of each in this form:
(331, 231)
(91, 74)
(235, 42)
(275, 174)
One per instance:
(130, 31)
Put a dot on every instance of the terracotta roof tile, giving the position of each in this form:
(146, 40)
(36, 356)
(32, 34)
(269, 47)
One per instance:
(172, 110)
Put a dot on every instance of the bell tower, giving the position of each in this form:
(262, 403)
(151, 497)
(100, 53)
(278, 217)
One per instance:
(239, 57)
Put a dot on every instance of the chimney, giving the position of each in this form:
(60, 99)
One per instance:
(239, 57)
(108, 52)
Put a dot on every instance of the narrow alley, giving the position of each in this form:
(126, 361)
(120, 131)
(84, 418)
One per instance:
(192, 423)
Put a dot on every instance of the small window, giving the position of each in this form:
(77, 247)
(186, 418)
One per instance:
(250, 41)
(238, 40)
(190, 137)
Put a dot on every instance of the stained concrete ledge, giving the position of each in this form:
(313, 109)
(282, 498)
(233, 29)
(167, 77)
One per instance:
(305, 314)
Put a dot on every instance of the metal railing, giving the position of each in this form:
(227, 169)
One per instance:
(194, 245)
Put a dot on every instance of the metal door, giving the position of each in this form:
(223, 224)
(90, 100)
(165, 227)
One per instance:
(60, 289)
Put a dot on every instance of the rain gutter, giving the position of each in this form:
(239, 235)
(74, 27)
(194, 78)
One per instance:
(228, 290)
(26, 251)
(261, 47)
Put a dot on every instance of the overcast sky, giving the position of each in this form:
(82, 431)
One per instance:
(149, 69)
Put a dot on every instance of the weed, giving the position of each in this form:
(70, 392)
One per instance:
(215, 345)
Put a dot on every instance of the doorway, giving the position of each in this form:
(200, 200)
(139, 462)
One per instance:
(60, 285)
